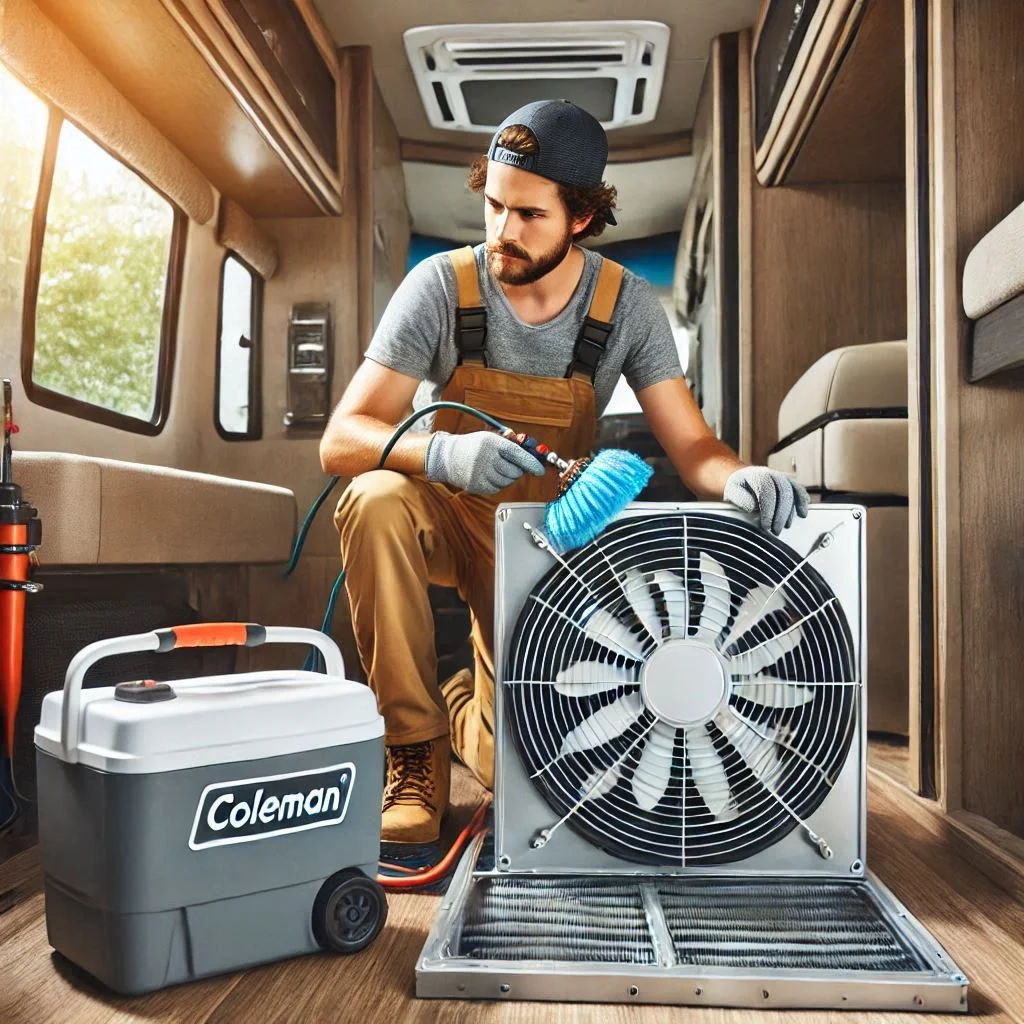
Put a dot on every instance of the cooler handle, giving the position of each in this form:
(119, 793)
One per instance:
(199, 634)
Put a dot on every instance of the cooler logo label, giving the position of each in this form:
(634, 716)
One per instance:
(274, 805)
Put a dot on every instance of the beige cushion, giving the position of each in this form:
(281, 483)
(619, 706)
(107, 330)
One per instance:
(865, 456)
(104, 512)
(994, 271)
(801, 460)
(853, 377)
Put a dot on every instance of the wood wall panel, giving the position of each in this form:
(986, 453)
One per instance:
(989, 96)
(829, 269)
(391, 222)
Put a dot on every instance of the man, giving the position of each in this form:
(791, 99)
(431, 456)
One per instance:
(536, 331)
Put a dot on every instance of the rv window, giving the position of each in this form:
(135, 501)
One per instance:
(106, 248)
(23, 120)
(237, 413)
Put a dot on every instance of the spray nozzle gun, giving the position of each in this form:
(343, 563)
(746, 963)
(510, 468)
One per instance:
(541, 452)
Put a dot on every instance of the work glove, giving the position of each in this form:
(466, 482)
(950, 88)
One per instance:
(771, 494)
(481, 462)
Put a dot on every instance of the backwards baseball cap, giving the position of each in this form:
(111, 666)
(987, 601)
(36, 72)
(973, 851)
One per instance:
(572, 148)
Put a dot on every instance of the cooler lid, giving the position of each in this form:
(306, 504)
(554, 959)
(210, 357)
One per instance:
(212, 720)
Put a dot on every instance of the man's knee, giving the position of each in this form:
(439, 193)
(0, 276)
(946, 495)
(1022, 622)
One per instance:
(375, 498)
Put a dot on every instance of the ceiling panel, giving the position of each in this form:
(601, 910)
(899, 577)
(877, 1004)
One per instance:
(694, 23)
(651, 199)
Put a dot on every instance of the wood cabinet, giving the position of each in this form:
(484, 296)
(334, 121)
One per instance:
(828, 83)
(279, 65)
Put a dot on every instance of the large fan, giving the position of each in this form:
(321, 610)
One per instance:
(682, 690)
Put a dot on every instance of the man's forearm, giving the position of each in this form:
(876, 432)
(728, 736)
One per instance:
(704, 466)
(353, 444)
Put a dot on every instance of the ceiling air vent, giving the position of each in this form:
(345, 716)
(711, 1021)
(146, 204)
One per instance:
(471, 76)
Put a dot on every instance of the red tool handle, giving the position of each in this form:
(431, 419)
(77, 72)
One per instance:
(212, 634)
(12, 623)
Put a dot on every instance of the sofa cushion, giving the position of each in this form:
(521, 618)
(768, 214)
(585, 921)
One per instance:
(994, 271)
(106, 512)
(870, 376)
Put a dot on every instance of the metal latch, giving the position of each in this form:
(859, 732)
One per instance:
(309, 365)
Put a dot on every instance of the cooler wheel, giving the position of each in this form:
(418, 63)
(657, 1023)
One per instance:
(349, 912)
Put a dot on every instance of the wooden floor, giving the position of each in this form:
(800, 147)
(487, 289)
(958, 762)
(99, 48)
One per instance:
(909, 849)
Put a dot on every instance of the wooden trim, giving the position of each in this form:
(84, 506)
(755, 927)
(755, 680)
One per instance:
(725, 142)
(996, 344)
(169, 314)
(320, 33)
(658, 147)
(745, 242)
(918, 304)
(222, 47)
(798, 83)
(847, 34)
(946, 413)
(279, 107)
(996, 854)
(356, 66)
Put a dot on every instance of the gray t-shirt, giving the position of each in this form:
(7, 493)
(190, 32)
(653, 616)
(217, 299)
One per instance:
(416, 334)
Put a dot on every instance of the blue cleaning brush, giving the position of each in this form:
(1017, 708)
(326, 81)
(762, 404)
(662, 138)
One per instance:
(591, 492)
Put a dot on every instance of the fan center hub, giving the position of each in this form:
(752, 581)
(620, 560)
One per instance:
(685, 682)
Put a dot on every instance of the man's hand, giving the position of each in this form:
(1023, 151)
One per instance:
(481, 462)
(771, 494)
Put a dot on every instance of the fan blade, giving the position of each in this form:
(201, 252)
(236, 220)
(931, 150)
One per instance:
(608, 631)
(654, 770)
(641, 600)
(677, 602)
(717, 600)
(766, 653)
(761, 755)
(758, 604)
(708, 774)
(586, 678)
(603, 781)
(772, 692)
(603, 725)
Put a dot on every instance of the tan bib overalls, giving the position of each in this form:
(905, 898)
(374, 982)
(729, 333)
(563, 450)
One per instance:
(398, 533)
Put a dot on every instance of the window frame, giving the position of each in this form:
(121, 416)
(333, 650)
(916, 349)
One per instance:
(68, 404)
(255, 431)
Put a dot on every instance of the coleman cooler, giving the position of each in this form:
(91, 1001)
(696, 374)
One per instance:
(212, 824)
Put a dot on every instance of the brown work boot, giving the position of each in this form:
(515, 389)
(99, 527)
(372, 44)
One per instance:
(416, 791)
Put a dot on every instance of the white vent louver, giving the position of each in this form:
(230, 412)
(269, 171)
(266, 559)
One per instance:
(471, 76)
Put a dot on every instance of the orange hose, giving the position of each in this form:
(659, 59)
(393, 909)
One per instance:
(443, 866)
(12, 627)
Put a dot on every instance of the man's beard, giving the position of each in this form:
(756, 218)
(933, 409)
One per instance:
(526, 270)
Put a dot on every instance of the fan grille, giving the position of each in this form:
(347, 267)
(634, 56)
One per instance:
(565, 920)
(827, 927)
(734, 924)
(659, 790)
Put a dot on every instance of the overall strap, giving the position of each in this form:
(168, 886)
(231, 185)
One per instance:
(470, 316)
(593, 336)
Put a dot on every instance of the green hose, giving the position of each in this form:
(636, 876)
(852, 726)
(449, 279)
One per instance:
(314, 661)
